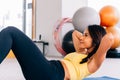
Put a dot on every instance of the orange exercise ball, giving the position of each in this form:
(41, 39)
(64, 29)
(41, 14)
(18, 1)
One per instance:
(109, 16)
(116, 34)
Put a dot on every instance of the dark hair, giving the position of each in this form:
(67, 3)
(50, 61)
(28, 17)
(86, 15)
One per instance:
(96, 33)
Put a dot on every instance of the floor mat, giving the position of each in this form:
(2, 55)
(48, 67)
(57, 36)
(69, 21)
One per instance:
(101, 78)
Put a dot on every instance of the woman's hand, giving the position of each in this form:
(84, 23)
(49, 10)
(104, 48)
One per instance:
(76, 35)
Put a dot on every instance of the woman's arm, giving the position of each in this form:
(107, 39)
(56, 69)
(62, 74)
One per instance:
(76, 39)
(97, 59)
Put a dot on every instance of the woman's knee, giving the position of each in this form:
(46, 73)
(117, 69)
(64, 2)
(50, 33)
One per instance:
(11, 30)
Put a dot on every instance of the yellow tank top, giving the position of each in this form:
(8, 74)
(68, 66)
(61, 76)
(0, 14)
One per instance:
(77, 71)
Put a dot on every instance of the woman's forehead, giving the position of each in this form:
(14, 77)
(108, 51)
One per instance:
(86, 30)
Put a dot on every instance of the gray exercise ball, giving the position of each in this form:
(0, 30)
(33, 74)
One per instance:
(85, 16)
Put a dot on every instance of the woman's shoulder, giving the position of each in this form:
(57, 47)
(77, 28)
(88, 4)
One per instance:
(75, 55)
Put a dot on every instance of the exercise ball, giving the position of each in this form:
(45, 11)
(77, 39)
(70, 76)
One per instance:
(109, 16)
(85, 16)
(113, 53)
(67, 43)
(116, 34)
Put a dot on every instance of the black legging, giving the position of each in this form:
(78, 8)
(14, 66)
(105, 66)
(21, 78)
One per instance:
(34, 65)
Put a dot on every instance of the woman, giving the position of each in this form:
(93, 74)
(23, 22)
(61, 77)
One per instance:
(91, 48)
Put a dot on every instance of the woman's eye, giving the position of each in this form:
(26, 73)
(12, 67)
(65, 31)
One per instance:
(85, 35)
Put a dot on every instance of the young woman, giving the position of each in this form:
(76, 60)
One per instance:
(91, 48)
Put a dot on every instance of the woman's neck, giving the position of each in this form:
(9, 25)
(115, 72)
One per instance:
(86, 51)
(82, 51)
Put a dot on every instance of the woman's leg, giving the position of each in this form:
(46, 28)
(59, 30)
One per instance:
(34, 65)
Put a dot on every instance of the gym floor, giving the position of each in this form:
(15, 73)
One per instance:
(10, 69)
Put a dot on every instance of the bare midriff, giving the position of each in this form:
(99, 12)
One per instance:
(67, 75)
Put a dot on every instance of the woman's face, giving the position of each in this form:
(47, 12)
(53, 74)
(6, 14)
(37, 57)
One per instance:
(86, 40)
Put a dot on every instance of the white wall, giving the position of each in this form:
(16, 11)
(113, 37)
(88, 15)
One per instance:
(102, 3)
(47, 13)
(69, 7)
